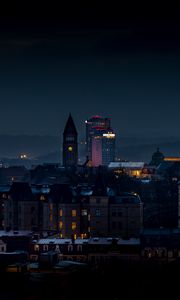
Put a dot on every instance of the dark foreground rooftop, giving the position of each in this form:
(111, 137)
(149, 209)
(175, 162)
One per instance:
(108, 281)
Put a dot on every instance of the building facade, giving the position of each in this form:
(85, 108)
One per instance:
(103, 147)
(63, 211)
(20, 208)
(92, 124)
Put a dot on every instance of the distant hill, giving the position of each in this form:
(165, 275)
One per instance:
(49, 148)
(34, 145)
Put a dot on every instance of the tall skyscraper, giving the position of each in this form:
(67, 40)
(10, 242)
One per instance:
(70, 144)
(103, 147)
(92, 125)
(100, 140)
(108, 146)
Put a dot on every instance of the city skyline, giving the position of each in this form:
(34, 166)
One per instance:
(89, 150)
(126, 68)
(46, 148)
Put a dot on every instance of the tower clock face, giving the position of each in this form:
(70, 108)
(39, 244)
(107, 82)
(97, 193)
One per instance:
(70, 148)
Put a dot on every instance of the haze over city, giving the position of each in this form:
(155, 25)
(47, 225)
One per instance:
(119, 65)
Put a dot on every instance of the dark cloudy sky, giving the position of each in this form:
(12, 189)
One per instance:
(126, 67)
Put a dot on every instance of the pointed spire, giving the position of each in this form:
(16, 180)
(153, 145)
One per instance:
(70, 127)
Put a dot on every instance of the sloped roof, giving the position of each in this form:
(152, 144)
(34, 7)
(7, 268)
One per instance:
(125, 198)
(21, 191)
(70, 127)
(61, 193)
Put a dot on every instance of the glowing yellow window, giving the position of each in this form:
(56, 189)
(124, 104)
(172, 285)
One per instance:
(50, 217)
(73, 226)
(74, 212)
(60, 224)
(60, 212)
(36, 247)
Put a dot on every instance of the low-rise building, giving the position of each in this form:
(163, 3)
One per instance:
(132, 169)
(64, 210)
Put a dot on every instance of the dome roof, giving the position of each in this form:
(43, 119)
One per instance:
(157, 158)
(158, 154)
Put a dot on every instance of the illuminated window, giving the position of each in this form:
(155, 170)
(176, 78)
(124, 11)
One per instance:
(73, 226)
(50, 217)
(60, 212)
(36, 247)
(83, 235)
(73, 212)
(84, 212)
(42, 198)
(51, 206)
(60, 224)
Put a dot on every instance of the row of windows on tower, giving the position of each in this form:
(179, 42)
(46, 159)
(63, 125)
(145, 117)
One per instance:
(84, 212)
(114, 224)
(61, 225)
(57, 248)
(73, 211)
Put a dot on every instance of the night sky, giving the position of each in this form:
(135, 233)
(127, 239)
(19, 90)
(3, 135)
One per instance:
(122, 66)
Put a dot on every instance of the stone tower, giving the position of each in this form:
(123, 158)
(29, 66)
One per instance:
(70, 144)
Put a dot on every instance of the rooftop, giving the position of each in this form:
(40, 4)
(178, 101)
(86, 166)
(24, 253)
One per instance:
(91, 241)
(126, 164)
(15, 233)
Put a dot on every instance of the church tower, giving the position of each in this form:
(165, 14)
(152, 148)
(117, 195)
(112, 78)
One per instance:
(70, 144)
